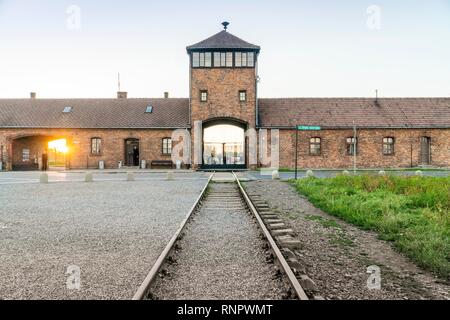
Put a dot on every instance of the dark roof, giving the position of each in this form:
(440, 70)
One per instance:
(94, 113)
(174, 113)
(341, 112)
(223, 40)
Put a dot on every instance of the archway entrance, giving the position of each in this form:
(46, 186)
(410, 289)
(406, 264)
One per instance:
(224, 146)
(39, 153)
(132, 153)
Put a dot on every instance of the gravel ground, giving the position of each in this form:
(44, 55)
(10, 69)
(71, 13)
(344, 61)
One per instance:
(221, 256)
(114, 231)
(336, 254)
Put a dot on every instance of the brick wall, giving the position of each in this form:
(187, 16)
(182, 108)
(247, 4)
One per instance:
(79, 142)
(370, 155)
(223, 86)
(407, 147)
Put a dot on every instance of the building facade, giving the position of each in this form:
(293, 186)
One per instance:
(223, 124)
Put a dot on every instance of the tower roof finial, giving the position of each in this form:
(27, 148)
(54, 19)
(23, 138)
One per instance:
(225, 25)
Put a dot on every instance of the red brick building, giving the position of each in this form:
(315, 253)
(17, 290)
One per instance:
(223, 107)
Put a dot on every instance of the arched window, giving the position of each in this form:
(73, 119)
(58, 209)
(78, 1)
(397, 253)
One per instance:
(315, 146)
(96, 146)
(388, 146)
(167, 146)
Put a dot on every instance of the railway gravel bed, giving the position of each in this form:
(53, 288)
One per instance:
(336, 255)
(112, 230)
(221, 256)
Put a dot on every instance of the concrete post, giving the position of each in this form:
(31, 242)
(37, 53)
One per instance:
(43, 178)
(275, 175)
(89, 177)
(130, 176)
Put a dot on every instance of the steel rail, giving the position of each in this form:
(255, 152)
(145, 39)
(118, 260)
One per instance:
(285, 266)
(143, 290)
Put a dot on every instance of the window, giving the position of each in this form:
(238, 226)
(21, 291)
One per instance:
(25, 155)
(229, 62)
(208, 59)
(67, 110)
(242, 96)
(201, 59)
(351, 146)
(315, 146)
(223, 59)
(218, 59)
(203, 96)
(244, 59)
(388, 146)
(167, 146)
(196, 59)
(149, 109)
(96, 146)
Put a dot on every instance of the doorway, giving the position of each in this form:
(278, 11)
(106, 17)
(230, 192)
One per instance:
(425, 150)
(132, 152)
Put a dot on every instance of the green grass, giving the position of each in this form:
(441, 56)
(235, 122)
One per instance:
(369, 170)
(412, 212)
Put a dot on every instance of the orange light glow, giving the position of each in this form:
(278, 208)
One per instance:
(58, 145)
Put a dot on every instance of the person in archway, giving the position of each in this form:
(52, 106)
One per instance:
(44, 161)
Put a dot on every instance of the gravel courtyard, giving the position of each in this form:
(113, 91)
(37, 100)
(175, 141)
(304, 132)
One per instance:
(112, 230)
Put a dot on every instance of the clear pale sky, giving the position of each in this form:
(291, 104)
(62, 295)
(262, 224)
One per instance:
(309, 48)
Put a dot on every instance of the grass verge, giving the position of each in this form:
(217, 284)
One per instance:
(412, 212)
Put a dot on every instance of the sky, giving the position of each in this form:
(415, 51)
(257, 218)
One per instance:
(321, 48)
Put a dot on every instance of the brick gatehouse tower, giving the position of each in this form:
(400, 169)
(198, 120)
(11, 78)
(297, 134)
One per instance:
(223, 99)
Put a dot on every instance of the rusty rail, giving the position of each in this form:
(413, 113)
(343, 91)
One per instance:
(284, 265)
(143, 290)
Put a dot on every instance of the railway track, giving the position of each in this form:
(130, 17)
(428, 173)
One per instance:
(230, 241)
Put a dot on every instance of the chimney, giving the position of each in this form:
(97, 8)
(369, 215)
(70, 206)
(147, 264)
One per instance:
(32, 95)
(122, 94)
(166, 95)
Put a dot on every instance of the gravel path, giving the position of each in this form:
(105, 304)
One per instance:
(113, 231)
(221, 256)
(336, 254)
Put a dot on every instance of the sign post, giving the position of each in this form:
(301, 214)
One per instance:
(302, 128)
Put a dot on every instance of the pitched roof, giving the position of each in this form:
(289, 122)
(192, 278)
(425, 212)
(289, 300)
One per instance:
(341, 112)
(94, 113)
(223, 40)
(174, 113)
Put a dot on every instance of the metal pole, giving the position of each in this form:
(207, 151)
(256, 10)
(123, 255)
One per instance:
(296, 153)
(354, 148)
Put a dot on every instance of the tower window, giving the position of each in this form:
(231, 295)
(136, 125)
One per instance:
(201, 59)
(229, 59)
(315, 146)
(242, 96)
(244, 59)
(218, 59)
(223, 59)
(388, 146)
(203, 96)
